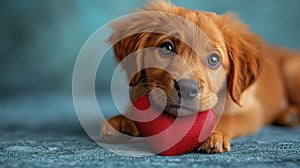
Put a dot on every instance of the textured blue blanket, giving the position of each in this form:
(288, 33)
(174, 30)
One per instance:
(43, 131)
(51, 146)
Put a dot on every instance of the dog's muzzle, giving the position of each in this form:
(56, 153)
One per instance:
(187, 89)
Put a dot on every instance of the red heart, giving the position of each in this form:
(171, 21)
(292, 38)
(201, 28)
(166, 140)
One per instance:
(169, 135)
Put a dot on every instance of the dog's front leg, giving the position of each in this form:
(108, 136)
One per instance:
(231, 126)
(116, 129)
(218, 142)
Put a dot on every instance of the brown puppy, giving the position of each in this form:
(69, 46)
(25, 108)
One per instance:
(263, 84)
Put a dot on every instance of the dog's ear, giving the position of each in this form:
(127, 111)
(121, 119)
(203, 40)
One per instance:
(131, 34)
(244, 52)
(125, 44)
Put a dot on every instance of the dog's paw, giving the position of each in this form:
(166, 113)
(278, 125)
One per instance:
(218, 142)
(117, 129)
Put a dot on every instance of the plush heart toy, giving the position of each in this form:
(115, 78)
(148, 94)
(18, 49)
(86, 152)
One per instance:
(169, 135)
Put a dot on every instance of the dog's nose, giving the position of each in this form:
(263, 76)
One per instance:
(187, 89)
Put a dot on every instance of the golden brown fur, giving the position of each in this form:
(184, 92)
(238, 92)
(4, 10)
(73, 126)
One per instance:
(263, 84)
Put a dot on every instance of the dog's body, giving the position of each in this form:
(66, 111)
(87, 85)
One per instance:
(263, 84)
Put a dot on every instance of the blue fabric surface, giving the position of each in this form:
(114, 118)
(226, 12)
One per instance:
(48, 147)
(33, 132)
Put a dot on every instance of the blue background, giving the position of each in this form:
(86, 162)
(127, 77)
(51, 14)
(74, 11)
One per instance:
(39, 42)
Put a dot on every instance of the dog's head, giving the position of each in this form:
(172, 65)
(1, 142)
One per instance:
(190, 55)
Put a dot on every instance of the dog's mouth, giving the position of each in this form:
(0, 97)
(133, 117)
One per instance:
(176, 107)
(182, 110)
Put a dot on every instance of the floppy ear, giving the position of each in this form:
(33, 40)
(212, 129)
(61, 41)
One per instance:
(244, 52)
(125, 44)
(142, 24)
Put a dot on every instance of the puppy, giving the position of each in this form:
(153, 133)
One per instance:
(262, 84)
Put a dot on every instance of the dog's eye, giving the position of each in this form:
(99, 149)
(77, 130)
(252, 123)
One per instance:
(213, 61)
(167, 49)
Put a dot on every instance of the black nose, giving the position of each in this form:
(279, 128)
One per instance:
(187, 89)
